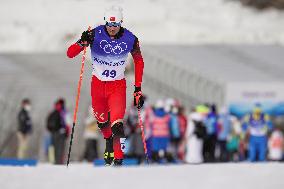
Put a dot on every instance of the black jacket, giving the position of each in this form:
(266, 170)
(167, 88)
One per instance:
(25, 122)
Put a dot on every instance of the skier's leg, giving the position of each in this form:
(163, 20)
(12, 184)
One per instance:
(117, 101)
(99, 101)
(101, 109)
(117, 105)
(118, 142)
(106, 131)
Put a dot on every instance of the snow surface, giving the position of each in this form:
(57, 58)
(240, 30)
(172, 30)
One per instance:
(205, 176)
(51, 25)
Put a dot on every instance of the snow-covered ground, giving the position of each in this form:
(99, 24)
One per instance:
(51, 25)
(205, 176)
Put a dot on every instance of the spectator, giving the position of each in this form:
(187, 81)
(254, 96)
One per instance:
(59, 128)
(174, 130)
(24, 128)
(232, 146)
(233, 140)
(275, 145)
(224, 130)
(133, 132)
(195, 134)
(91, 136)
(256, 126)
(160, 133)
(211, 123)
(183, 127)
(243, 147)
(168, 104)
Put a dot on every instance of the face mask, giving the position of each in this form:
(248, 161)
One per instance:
(167, 109)
(175, 110)
(28, 108)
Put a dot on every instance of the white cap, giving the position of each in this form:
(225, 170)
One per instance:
(159, 104)
(168, 104)
(113, 14)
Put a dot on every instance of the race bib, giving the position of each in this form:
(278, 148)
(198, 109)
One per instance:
(110, 55)
(122, 144)
(107, 69)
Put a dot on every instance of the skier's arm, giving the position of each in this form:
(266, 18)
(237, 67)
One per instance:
(138, 63)
(138, 67)
(74, 50)
(87, 38)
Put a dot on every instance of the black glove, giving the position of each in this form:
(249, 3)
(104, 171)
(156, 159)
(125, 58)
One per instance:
(87, 38)
(138, 97)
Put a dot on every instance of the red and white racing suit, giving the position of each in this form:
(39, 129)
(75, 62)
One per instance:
(109, 96)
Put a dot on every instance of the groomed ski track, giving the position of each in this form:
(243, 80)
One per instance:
(86, 176)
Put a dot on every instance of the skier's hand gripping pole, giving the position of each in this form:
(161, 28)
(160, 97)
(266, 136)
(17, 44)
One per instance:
(77, 99)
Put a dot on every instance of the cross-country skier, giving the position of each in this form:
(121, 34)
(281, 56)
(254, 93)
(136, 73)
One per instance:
(110, 45)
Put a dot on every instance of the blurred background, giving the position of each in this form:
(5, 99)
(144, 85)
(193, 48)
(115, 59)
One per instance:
(213, 73)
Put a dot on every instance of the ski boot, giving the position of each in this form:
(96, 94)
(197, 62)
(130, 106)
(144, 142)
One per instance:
(117, 162)
(108, 154)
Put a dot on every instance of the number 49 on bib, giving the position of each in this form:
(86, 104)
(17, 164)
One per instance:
(109, 73)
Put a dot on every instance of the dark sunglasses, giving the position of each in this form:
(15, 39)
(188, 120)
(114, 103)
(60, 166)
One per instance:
(113, 24)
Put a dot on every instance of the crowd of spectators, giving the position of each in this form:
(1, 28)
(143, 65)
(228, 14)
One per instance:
(202, 135)
(172, 135)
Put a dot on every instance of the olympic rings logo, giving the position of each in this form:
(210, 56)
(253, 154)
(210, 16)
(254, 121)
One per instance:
(113, 47)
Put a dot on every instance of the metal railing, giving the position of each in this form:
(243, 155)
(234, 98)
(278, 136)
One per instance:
(173, 80)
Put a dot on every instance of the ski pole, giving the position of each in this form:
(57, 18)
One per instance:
(143, 135)
(77, 101)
